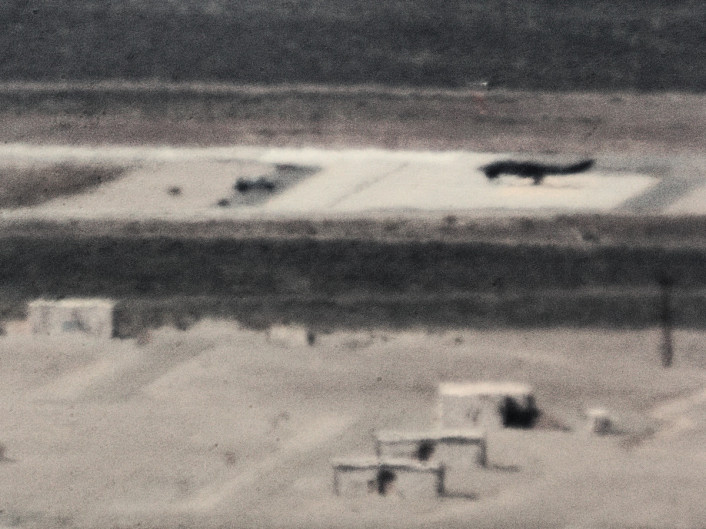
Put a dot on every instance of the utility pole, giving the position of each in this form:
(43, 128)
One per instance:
(667, 352)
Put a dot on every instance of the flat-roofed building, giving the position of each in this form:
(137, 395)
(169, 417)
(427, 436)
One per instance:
(78, 316)
(486, 405)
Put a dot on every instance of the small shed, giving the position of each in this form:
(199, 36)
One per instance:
(403, 478)
(78, 316)
(486, 405)
(599, 421)
(291, 335)
(422, 446)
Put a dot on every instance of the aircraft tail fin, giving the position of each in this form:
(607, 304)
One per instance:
(574, 168)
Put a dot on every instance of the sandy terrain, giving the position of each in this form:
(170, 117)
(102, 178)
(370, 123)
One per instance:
(218, 425)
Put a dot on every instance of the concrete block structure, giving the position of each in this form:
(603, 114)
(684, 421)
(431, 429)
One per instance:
(402, 478)
(486, 405)
(422, 446)
(599, 421)
(72, 316)
(290, 335)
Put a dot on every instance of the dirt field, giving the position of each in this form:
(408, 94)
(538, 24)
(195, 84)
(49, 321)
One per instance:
(219, 426)
(619, 123)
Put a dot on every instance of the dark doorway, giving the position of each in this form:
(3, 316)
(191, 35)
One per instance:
(516, 416)
(425, 450)
(385, 479)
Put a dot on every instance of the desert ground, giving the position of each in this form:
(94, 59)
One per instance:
(628, 123)
(219, 426)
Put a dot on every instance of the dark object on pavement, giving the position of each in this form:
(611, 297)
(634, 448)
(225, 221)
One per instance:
(287, 167)
(536, 171)
(243, 185)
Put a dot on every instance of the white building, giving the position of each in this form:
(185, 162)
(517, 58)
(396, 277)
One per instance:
(599, 421)
(78, 316)
(291, 336)
(486, 405)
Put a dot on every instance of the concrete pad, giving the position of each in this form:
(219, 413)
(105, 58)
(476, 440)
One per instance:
(333, 186)
(144, 192)
(434, 187)
(347, 182)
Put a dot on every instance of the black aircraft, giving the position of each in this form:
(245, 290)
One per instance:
(243, 185)
(533, 170)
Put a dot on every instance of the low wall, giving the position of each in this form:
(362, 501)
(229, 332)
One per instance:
(387, 477)
(423, 446)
